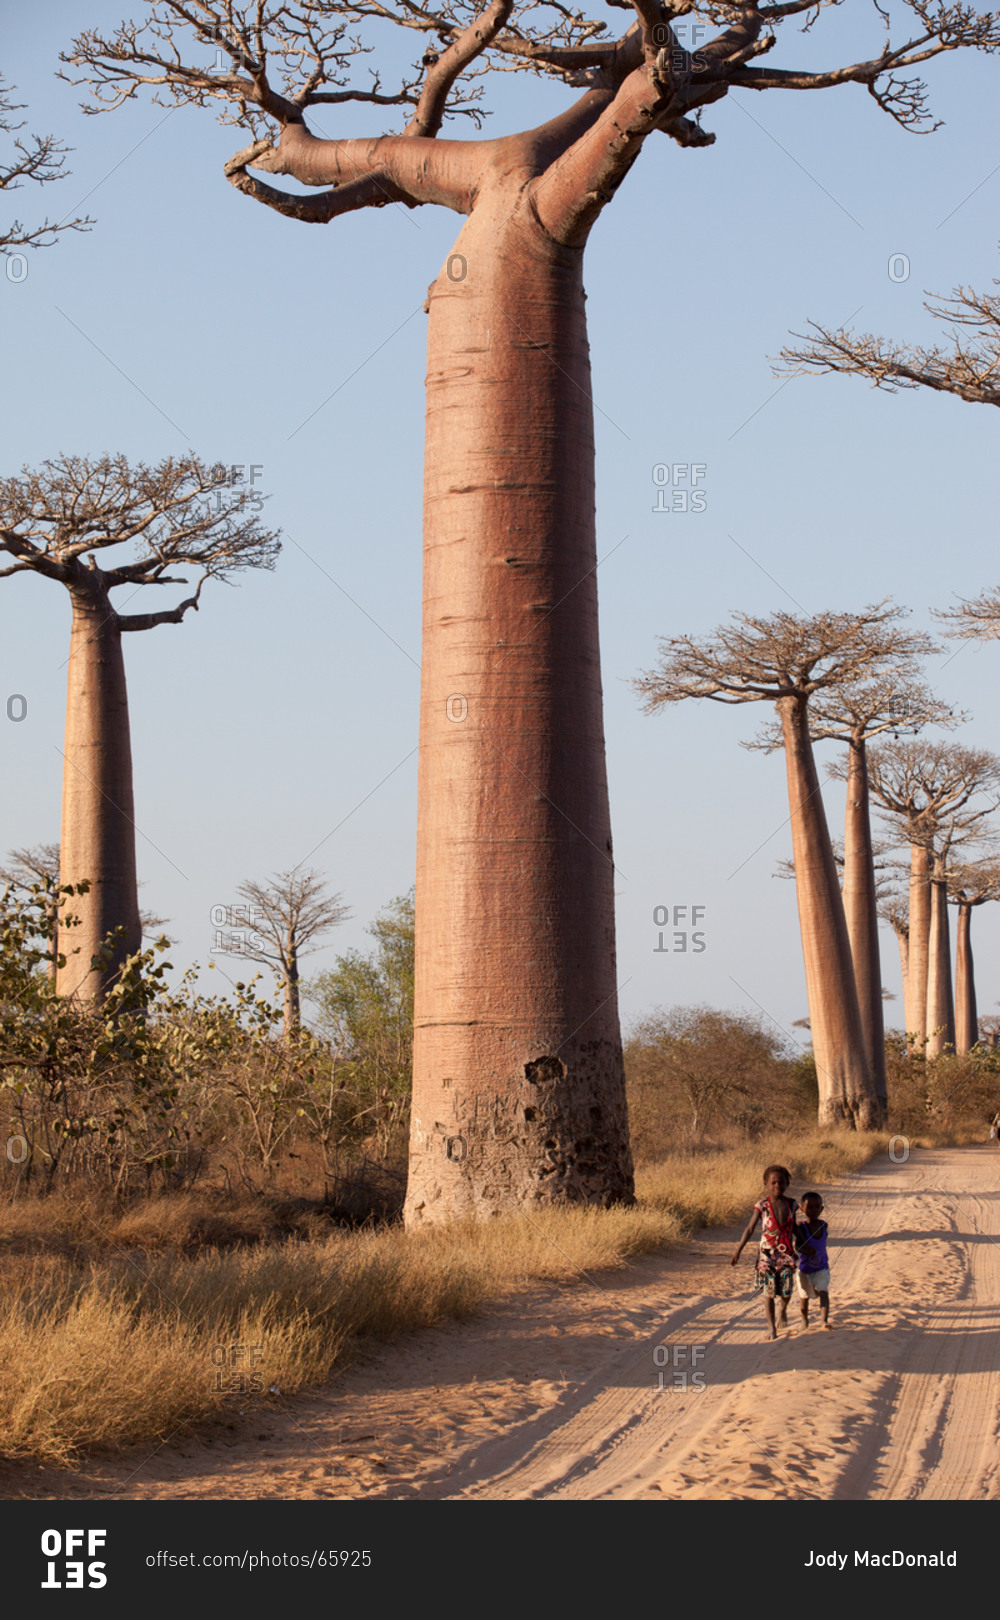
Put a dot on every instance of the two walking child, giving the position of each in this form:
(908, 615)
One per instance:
(792, 1251)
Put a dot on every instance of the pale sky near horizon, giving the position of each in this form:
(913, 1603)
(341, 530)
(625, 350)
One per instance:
(278, 725)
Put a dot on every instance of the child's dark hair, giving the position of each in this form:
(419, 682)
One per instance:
(816, 1199)
(781, 1172)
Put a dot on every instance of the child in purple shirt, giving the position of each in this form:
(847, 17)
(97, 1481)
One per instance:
(812, 1279)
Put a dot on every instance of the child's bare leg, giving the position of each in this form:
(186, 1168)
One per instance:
(804, 1308)
(824, 1310)
(783, 1313)
(769, 1308)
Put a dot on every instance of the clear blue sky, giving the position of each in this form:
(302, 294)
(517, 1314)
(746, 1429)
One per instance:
(278, 725)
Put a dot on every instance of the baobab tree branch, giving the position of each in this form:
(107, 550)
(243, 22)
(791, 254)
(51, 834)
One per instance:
(40, 161)
(392, 168)
(890, 366)
(975, 620)
(442, 71)
(149, 621)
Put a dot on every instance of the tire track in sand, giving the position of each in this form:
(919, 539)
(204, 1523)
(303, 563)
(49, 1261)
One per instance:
(901, 1400)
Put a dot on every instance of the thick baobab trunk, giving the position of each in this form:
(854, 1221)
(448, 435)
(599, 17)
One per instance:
(846, 1088)
(920, 934)
(966, 1011)
(861, 914)
(518, 1082)
(940, 1006)
(98, 829)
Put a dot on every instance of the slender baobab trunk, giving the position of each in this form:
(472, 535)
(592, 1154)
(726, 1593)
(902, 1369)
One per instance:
(920, 933)
(518, 1083)
(940, 1005)
(846, 1088)
(966, 1011)
(293, 1012)
(97, 841)
(902, 934)
(861, 914)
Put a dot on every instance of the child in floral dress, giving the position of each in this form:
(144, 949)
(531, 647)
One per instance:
(777, 1261)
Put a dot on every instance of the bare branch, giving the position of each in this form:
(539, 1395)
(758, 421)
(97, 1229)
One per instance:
(975, 620)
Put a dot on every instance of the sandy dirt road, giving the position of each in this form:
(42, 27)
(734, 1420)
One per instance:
(588, 1391)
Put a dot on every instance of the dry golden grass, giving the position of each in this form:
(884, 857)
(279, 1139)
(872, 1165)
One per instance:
(105, 1343)
(719, 1186)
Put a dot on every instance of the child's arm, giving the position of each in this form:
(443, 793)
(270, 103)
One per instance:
(745, 1239)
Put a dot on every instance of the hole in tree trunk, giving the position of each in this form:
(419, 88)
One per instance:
(545, 1068)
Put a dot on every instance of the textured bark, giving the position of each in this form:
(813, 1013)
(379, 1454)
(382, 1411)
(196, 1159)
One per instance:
(966, 1011)
(518, 1085)
(920, 932)
(861, 914)
(98, 828)
(940, 1026)
(846, 1088)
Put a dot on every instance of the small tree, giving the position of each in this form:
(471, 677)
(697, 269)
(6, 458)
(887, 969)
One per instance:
(39, 158)
(24, 871)
(286, 920)
(26, 868)
(786, 661)
(56, 521)
(720, 1066)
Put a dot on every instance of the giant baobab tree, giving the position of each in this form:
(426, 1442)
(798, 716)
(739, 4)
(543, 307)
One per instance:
(518, 1091)
(285, 919)
(926, 788)
(786, 661)
(36, 158)
(970, 884)
(56, 521)
(854, 714)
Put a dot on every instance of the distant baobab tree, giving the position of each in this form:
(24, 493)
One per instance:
(38, 158)
(969, 885)
(55, 521)
(853, 714)
(519, 1090)
(285, 920)
(894, 910)
(926, 788)
(787, 661)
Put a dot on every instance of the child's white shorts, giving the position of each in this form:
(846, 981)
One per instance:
(810, 1283)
